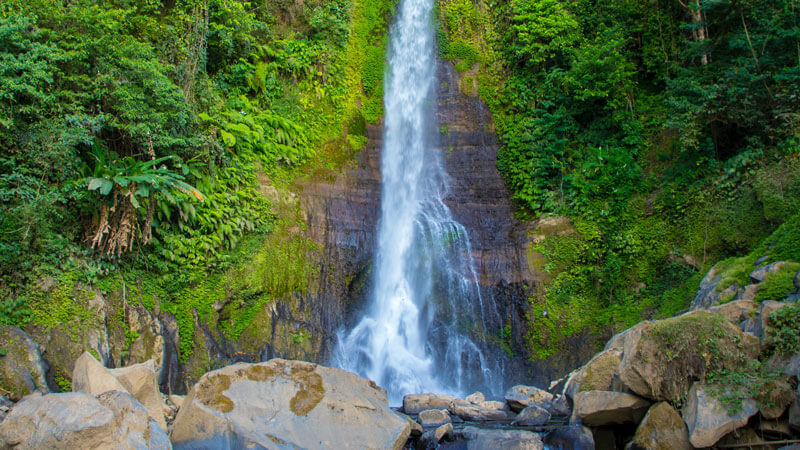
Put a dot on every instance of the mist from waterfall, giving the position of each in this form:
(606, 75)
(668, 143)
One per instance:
(424, 329)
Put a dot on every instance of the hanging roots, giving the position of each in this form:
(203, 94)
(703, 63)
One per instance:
(117, 225)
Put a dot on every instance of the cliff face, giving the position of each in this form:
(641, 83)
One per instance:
(478, 197)
(338, 206)
(342, 208)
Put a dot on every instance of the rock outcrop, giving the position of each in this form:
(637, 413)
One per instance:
(77, 420)
(532, 416)
(520, 397)
(662, 429)
(708, 420)
(138, 380)
(598, 408)
(661, 360)
(22, 369)
(280, 402)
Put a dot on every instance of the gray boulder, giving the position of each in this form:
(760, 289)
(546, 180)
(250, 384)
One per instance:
(559, 406)
(760, 274)
(139, 380)
(707, 294)
(433, 417)
(736, 311)
(414, 403)
(572, 437)
(443, 431)
(476, 398)
(794, 411)
(532, 416)
(598, 408)
(707, 419)
(283, 403)
(91, 377)
(481, 439)
(78, 420)
(476, 413)
(22, 369)
(519, 397)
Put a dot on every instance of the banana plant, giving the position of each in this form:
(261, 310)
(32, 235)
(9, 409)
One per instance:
(123, 184)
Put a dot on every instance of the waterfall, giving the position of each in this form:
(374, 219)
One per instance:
(424, 329)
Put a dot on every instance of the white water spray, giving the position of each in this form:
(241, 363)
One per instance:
(425, 326)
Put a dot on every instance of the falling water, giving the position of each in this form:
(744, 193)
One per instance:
(425, 326)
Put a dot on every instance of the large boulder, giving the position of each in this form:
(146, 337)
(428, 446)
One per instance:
(617, 342)
(22, 369)
(478, 413)
(760, 274)
(415, 403)
(660, 360)
(481, 439)
(475, 398)
(91, 377)
(778, 396)
(532, 416)
(662, 429)
(433, 417)
(736, 311)
(519, 397)
(598, 408)
(139, 380)
(572, 437)
(287, 404)
(708, 420)
(596, 375)
(78, 420)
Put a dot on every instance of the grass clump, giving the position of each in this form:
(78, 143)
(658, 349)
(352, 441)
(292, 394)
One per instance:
(786, 322)
(778, 284)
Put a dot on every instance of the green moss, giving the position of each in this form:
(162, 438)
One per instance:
(786, 323)
(365, 56)
(600, 372)
(64, 383)
(778, 285)
(735, 270)
(66, 303)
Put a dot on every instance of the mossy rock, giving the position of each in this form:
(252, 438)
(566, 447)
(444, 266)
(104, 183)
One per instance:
(68, 319)
(662, 359)
(600, 372)
(662, 429)
(22, 369)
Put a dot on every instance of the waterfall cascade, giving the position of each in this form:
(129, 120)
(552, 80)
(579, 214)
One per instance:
(424, 329)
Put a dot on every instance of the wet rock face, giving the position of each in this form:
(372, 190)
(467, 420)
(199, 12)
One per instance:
(478, 196)
(341, 209)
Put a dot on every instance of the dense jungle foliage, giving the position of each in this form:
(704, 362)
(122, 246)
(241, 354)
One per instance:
(135, 136)
(133, 133)
(666, 130)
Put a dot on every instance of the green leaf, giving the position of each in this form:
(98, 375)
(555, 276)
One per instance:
(105, 185)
